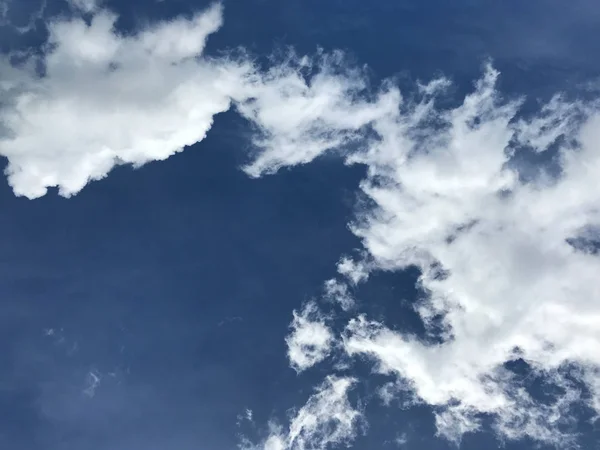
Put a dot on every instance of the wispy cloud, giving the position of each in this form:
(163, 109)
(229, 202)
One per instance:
(107, 99)
(338, 292)
(309, 341)
(327, 419)
(93, 381)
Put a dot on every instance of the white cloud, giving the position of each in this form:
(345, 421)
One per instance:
(310, 339)
(327, 419)
(504, 263)
(501, 259)
(109, 99)
(303, 107)
(355, 271)
(510, 280)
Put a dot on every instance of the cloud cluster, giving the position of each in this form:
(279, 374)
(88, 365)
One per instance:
(106, 99)
(508, 267)
(509, 264)
(499, 259)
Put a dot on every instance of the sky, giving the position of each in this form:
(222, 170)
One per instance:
(299, 225)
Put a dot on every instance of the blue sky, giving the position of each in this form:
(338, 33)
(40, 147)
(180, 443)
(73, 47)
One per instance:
(299, 225)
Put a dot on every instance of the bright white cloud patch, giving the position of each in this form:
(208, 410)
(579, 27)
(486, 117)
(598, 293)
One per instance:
(497, 260)
(108, 99)
(310, 339)
(509, 266)
(326, 420)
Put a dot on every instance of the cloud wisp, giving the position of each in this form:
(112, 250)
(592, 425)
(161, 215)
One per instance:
(327, 419)
(310, 339)
(509, 264)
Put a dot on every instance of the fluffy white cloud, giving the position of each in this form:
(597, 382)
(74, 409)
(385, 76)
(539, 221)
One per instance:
(310, 339)
(107, 99)
(510, 266)
(497, 258)
(326, 420)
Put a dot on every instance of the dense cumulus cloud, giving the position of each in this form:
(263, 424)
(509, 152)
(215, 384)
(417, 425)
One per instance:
(106, 99)
(508, 262)
(507, 266)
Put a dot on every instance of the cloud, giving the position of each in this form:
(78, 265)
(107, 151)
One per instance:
(108, 99)
(401, 440)
(326, 420)
(303, 107)
(310, 339)
(338, 292)
(508, 264)
(495, 257)
(355, 271)
(508, 267)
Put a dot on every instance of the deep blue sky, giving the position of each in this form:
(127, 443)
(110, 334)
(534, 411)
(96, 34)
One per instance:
(176, 281)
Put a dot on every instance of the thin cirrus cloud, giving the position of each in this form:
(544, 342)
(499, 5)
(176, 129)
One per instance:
(508, 264)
